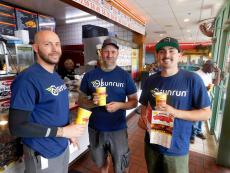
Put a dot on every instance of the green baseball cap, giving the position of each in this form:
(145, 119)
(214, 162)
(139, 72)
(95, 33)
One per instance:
(168, 41)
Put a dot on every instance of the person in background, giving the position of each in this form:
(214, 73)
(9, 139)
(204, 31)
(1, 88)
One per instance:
(154, 68)
(187, 101)
(69, 69)
(39, 110)
(107, 124)
(206, 74)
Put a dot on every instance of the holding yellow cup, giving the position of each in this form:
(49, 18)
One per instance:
(82, 116)
(161, 98)
(101, 91)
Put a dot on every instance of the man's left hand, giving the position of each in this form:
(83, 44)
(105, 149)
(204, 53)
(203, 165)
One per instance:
(113, 106)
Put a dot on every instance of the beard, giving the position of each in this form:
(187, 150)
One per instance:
(48, 60)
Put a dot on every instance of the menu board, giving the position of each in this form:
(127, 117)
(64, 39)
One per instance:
(7, 20)
(27, 20)
(46, 23)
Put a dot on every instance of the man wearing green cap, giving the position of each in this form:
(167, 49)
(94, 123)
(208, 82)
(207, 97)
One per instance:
(187, 101)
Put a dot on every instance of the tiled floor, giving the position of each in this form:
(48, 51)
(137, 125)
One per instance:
(201, 161)
(207, 147)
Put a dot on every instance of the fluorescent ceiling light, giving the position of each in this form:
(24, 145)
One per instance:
(81, 14)
(106, 25)
(83, 19)
(3, 122)
(186, 20)
(47, 24)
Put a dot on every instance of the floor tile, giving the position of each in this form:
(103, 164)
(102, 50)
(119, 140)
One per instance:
(201, 157)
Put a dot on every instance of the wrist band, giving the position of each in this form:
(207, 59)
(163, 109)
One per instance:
(60, 131)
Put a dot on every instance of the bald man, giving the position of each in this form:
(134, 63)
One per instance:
(39, 110)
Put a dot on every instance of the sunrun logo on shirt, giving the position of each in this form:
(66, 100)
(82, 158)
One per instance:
(56, 90)
(101, 83)
(170, 92)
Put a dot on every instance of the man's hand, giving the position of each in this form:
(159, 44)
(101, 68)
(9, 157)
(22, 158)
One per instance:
(96, 98)
(75, 142)
(73, 131)
(114, 106)
(217, 70)
(167, 108)
(190, 115)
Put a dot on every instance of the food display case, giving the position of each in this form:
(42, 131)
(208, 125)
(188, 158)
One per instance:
(10, 147)
(13, 59)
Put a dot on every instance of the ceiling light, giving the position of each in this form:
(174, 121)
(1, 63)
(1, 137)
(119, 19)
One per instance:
(188, 30)
(3, 122)
(47, 24)
(106, 25)
(186, 20)
(83, 19)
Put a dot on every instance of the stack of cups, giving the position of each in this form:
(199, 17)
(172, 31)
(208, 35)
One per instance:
(161, 98)
(101, 91)
(82, 116)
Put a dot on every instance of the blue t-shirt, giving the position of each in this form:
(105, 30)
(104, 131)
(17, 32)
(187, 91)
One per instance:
(186, 91)
(118, 85)
(45, 95)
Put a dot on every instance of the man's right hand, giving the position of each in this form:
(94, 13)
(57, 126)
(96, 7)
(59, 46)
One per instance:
(73, 131)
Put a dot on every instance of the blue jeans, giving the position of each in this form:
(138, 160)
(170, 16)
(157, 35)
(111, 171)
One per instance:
(196, 128)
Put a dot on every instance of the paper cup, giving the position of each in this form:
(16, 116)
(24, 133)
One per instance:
(82, 116)
(101, 91)
(161, 98)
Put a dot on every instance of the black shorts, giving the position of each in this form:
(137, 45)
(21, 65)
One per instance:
(115, 143)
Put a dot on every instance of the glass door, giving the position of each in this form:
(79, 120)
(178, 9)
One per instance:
(222, 89)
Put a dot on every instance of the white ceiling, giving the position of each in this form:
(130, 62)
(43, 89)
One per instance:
(167, 17)
(163, 17)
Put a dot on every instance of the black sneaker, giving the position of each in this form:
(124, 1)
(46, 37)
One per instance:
(201, 136)
(192, 140)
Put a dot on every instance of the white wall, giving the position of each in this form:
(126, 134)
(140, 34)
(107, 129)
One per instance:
(71, 34)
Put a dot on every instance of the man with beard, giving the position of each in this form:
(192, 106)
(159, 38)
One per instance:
(39, 110)
(187, 101)
(107, 124)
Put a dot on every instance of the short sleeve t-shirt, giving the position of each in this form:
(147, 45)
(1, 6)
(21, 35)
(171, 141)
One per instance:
(206, 77)
(45, 95)
(185, 91)
(119, 84)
